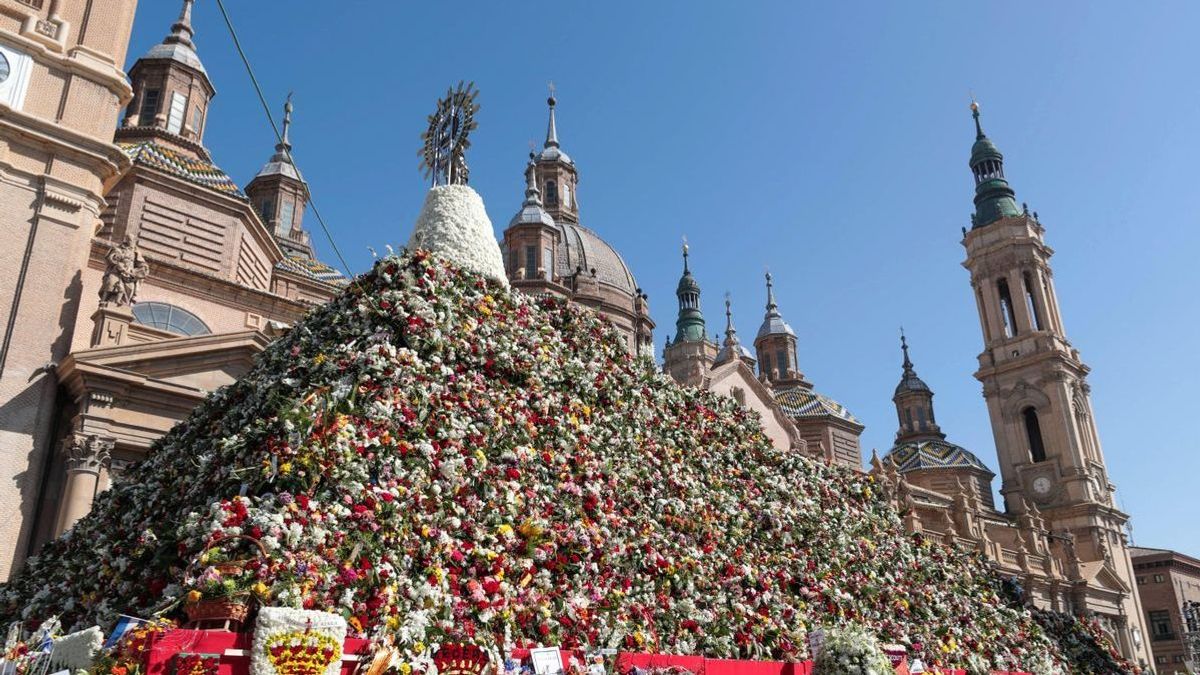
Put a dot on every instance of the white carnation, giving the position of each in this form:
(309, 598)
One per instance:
(454, 225)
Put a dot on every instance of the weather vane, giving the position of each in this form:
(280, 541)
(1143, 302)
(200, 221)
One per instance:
(444, 152)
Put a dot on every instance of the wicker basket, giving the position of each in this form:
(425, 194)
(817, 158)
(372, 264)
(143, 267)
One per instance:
(217, 610)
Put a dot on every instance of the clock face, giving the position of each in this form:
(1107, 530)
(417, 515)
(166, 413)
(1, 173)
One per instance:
(1041, 485)
(5, 69)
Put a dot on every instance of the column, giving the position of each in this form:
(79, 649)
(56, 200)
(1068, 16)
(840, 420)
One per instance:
(87, 457)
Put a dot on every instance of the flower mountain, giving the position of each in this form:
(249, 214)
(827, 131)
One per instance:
(442, 460)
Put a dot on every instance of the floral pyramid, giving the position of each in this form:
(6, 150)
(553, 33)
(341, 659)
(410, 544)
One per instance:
(439, 459)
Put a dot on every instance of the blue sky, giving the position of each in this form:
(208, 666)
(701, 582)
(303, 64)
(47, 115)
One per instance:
(826, 142)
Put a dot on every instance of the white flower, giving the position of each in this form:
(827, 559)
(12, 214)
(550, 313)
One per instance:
(454, 224)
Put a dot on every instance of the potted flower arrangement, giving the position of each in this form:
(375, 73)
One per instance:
(222, 582)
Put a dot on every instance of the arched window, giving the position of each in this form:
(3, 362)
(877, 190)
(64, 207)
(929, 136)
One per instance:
(166, 317)
(1007, 314)
(1031, 302)
(551, 192)
(1033, 429)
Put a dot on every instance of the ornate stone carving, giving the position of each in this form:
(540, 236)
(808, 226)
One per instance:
(124, 274)
(47, 28)
(89, 452)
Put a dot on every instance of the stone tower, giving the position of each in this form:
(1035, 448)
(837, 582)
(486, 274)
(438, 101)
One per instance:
(775, 345)
(280, 195)
(1036, 390)
(60, 96)
(548, 251)
(914, 403)
(690, 355)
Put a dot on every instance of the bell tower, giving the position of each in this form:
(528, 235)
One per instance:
(1037, 394)
(280, 195)
(690, 356)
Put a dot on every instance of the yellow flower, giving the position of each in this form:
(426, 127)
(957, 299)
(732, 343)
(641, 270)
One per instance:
(193, 596)
(504, 530)
(286, 467)
(260, 589)
(405, 669)
(419, 647)
(319, 359)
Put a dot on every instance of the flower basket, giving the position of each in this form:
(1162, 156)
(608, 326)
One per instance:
(229, 567)
(226, 612)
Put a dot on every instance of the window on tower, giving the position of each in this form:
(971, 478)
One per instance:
(198, 120)
(567, 195)
(1007, 314)
(149, 107)
(531, 265)
(287, 211)
(783, 362)
(1034, 315)
(548, 263)
(267, 210)
(766, 364)
(1033, 430)
(178, 108)
(551, 192)
(921, 419)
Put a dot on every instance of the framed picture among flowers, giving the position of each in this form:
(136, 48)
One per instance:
(546, 661)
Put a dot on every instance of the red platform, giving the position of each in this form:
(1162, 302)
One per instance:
(234, 652)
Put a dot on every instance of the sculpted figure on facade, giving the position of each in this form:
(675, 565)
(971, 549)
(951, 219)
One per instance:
(123, 276)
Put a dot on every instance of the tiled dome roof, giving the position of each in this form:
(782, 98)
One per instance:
(192, 169)
(580, 248)
(313, 269)
(801, 402)
(933, 454)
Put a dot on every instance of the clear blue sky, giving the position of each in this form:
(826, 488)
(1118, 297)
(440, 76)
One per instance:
(828, 143)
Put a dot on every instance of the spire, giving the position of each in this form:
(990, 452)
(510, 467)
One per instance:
(689, 325)
(178, 46)
(732, 347)
(531, 209)
(182, 31)
(730, 331)
(551, 128)
(908, 366)
(773, 322)
(281, 162)
(914, 401)
(979, 135)
(287, 121)
(994, 198)
(771, 306)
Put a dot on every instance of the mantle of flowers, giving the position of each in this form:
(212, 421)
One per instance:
(439, 460)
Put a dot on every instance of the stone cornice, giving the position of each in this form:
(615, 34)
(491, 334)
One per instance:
(88, 150)
(188, 281)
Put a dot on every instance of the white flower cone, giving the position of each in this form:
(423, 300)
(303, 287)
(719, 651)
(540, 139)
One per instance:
(454, 225)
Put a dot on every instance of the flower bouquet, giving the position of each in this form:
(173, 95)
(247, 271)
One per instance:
(851, 650)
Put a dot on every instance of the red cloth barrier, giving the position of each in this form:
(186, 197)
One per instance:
(234, 652)
(233, 648)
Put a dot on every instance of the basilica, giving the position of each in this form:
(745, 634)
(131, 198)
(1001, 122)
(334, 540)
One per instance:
(141, 277)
